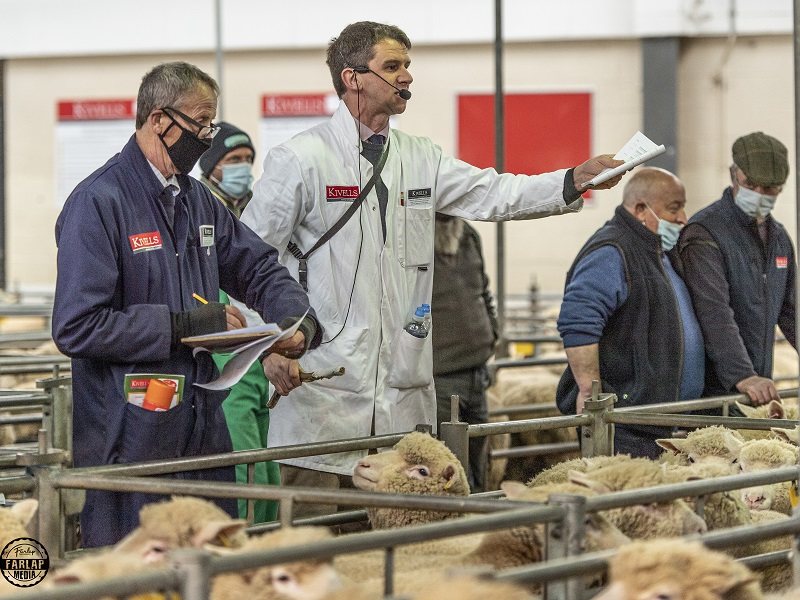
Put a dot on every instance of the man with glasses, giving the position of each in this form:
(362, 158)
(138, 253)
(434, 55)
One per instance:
(740, 270)
(140, 247)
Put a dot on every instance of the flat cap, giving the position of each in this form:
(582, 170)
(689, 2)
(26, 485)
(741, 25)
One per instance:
(762, 158)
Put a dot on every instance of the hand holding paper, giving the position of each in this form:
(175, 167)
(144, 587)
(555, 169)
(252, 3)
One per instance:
(637, 150)
(245, 355)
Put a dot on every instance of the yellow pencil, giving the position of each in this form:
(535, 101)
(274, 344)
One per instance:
(199, 298)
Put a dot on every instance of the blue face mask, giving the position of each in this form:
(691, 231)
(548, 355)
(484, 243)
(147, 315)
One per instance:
(236, 179)
(667, 231)
(754, 204)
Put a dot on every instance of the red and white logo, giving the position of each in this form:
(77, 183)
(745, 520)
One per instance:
(143, 242)
(781, 262)
(341, 193)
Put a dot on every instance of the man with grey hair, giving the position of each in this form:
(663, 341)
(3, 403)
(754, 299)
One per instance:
(740, 271)
(350, 206)
(140, 247)
(627, 318)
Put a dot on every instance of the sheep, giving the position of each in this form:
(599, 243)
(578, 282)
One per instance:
(674, 569)
(558, 473)
(102, 566)
(706, 445)
(309, 579)
(763, 455)
(784, 365)
(14, 522)
(787, 435)
(181, 522)
(465, 587)
(641, 522)
(726, 509)
(496, 467)
(418, 464)
(531, 385)
(436, 586)
(503, 549)
(499, 550)
(775, 409)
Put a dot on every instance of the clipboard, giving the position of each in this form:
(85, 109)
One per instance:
(233, 338)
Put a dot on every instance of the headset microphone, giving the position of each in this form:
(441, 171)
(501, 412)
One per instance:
(403, 93)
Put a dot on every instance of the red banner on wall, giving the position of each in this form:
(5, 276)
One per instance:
(96, 110)
(543, 132)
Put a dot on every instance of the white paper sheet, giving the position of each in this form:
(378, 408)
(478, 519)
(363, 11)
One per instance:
(244, 356)
(637, 150)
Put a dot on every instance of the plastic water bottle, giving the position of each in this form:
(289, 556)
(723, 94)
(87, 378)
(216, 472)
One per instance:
(427, 309)
(416, 326)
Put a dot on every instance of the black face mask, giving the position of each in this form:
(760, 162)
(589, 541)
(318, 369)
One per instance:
(186, 150)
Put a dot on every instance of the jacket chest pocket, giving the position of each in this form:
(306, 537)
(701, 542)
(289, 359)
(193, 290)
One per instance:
(414, 232)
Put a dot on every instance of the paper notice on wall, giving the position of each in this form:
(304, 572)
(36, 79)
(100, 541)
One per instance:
(88, 133)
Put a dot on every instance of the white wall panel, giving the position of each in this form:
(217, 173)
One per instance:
(37, 28)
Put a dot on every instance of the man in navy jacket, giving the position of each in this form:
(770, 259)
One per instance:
(740, 269)
(136, 240)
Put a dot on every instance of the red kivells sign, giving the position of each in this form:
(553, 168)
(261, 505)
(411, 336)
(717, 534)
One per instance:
(294, 105)
(96, 110)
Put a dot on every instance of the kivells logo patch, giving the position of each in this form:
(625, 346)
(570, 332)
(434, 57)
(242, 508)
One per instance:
(24, 562)
(142, 242)
(341, 193)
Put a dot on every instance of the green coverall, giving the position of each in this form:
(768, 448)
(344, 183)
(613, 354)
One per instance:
(247, 416)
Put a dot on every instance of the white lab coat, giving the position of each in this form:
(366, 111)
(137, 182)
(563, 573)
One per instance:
(388, 373)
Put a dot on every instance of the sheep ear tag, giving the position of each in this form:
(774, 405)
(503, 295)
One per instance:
(793, 494)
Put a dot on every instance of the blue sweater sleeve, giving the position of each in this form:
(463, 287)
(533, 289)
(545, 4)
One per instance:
(597, 289)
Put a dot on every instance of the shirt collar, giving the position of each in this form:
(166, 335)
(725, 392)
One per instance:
(172, 181)
(365, 132)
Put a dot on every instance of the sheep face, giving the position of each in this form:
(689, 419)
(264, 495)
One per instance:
(181, 522)
(601, 533)
(762, 455)
(310, 579)
(641, 521)
(100, 567)
(418, 464)
(709, 445)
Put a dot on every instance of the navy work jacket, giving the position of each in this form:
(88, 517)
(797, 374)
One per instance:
(122, 270)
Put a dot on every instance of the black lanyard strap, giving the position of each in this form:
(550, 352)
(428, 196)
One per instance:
(303, 258)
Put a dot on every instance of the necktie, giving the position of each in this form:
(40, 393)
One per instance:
(372, 149)
(168, 198)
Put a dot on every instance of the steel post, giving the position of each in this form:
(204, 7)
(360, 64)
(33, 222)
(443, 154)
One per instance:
(455, 434)
(597, 439)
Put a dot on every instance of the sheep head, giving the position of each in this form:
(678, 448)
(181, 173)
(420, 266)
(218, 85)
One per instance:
(601, 534)
(181, 522)
(308, 579)
(95, 568)
(678, 570)
(418, 464)
(641, 521)
(708, 445)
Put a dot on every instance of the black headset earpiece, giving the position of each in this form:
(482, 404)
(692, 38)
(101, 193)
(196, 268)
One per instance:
(361, 69)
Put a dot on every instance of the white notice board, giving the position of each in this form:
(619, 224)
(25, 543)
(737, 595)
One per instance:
(88, 133)
(285, 115)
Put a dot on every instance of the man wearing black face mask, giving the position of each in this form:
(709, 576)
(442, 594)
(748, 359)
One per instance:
(138, 242)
